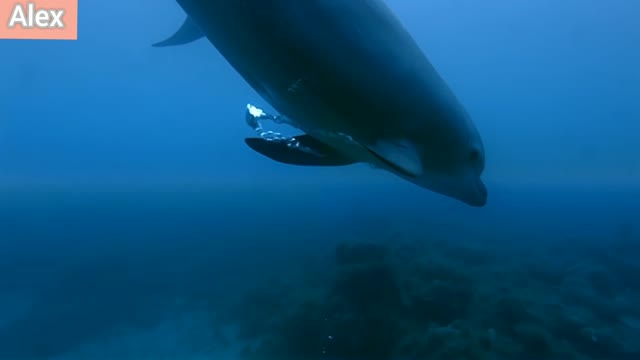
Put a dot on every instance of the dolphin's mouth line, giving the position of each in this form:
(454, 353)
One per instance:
(392, 165)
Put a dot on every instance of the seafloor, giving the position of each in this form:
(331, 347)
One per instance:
(548, 281)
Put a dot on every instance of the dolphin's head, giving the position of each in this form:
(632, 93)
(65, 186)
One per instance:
(460, 178)
(453, 160)
(441, 151)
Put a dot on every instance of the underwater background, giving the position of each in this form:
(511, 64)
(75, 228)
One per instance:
(136, 224)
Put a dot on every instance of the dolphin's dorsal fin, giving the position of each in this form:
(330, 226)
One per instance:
(400, 155)
(188, 32)
(307, 152)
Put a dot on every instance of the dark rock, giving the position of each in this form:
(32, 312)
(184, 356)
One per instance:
(601, 282)
(441, 302)
(547, 272)
(535, 340)
(468, 255)
(254, 314)
(367, 288)
(511, 312)
(599, 344)
(359, 254)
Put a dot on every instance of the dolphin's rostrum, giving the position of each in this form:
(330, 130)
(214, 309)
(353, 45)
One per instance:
(353, 80)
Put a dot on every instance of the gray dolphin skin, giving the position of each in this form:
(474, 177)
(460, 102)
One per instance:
(352, 79)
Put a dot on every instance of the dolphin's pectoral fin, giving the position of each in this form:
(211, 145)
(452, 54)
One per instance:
(301, 150)
(293, 150)
(399, 155)
(188, 32)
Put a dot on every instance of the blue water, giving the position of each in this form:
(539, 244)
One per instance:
(135, 223)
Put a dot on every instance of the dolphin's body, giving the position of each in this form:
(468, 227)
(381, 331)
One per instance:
(350, 76)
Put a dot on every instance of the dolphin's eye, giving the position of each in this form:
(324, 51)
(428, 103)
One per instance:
(475, 158)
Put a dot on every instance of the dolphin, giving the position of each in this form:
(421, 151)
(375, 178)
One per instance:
(353, 80)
